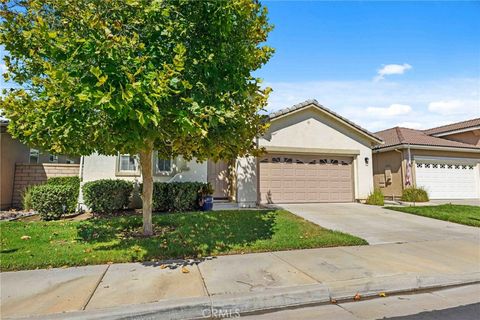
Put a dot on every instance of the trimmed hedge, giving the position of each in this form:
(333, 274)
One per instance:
(177, 196)
(415, 195)
(51, 201)
(107, 195)
(74, 181)
(376, 198)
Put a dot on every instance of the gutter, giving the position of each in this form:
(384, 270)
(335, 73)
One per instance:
(425, 147)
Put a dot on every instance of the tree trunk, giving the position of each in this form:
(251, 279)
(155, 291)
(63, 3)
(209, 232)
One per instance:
(147, 192)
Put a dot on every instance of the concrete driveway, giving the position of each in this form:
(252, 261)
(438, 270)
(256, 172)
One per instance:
(378, 225)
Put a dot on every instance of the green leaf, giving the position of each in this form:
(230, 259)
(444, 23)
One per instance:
(83, 97)
(95, 71)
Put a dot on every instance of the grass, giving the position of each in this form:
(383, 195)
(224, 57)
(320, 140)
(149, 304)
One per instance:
(467, 215)
(180, 235)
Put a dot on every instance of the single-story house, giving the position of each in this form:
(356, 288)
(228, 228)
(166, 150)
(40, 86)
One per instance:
(444, 160)
(14, 153)
(312, 155)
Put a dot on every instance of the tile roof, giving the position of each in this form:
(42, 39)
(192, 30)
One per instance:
(454, 126)
(398, 136)
(314, 102)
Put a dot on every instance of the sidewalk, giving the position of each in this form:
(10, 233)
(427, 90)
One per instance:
(240, 283)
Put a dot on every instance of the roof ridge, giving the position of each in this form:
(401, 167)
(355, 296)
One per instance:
(435, 129)
(401, 138)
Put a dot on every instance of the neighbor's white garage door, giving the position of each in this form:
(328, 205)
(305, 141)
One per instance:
(448, 180)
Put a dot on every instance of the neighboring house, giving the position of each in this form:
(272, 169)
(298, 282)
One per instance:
(312, 155)
(13, 153)
(444, 160)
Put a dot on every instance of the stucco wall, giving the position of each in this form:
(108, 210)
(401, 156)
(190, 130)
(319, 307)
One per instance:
(247, 182)
(470, 137)
(393, 161)
(11, 152)
(312, 129)
(96, 167)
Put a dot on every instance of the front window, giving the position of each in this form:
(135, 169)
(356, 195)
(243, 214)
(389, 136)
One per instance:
(34, 155)
(128, 163)
(163, 165)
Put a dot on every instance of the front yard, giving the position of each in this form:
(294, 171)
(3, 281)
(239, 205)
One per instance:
(39, 244)
(467, 215)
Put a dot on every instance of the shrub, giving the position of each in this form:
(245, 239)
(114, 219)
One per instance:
(51, 201)
(107, 195)
(415, 195)
(27, 198)
(176, 196)
(376, 198)
(74, 181)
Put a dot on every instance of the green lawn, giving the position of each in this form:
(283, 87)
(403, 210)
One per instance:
(187, 235)
(468, 215)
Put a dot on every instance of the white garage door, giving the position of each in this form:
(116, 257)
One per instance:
(448, 180)
(286, 178)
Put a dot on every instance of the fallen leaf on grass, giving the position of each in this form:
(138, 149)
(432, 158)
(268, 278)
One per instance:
(25, 237)
(185, 270)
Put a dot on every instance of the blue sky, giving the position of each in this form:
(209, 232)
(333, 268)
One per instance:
(414, 64)
(380, 64)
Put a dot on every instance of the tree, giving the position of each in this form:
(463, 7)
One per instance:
(133, 76)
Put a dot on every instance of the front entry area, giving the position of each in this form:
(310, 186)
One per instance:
(290, 178)
(217, 175)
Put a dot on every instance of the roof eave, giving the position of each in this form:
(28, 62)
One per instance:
(426, 147)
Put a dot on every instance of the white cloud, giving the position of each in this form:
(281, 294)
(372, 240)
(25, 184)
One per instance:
(351, 99)
(389, 69)
(393, 110)
(447, 107)
(3, 67)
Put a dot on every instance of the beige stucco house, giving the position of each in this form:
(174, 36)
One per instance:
(312, 155)
(444, 160)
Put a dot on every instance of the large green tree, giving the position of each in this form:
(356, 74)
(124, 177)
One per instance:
(133, 76)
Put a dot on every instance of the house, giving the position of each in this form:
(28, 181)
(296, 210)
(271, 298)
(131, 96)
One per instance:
(312, 155)
(21, 166)
(444, 160)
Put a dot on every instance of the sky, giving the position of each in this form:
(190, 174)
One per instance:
(378, 63)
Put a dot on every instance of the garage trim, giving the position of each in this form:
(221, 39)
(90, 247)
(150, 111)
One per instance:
(319, 151)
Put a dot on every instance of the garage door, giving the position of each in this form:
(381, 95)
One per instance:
(300, 179)
(447, 180)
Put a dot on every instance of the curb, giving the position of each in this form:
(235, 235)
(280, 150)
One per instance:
(234, 305)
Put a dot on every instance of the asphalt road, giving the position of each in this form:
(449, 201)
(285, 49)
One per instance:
(468, 312)
(455, 303)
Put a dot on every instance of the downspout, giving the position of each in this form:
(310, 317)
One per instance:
(257, 171)
(80, 194)
(401, 170)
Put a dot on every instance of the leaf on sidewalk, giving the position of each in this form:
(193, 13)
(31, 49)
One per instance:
(382, 294)
(163, 266)
(334, 301)
(185, 270)
(357, 297)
